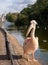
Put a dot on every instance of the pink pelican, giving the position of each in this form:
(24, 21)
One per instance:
(31, 43)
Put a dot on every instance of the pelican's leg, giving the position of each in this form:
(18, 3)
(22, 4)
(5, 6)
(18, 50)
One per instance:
(33, 58)
(27, 57)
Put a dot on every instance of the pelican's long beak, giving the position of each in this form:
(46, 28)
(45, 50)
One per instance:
(33, 25)
(30, 27)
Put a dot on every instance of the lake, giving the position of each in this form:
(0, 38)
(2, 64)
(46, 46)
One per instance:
(42, 53)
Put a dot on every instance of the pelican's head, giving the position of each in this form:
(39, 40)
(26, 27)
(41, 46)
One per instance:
(33, 24)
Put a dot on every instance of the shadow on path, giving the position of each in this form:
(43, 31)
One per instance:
(5, 57)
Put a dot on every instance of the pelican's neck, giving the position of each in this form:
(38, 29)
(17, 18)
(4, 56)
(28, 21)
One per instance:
(33, 32)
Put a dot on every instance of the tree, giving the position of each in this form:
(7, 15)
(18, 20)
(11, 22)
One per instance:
(21, 20)
(38, 11)
(11, 17)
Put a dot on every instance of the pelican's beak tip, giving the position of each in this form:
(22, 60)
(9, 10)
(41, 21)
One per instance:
(34, 21)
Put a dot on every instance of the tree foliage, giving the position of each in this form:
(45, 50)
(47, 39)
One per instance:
(38, 11)
(22, 20)
(12, 17)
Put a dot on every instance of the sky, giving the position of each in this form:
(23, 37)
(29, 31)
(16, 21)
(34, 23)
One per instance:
(14, 5)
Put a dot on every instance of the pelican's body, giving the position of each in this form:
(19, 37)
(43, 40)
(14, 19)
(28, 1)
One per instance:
(31, 43)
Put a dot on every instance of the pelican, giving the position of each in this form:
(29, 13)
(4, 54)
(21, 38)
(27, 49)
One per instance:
(31, 43)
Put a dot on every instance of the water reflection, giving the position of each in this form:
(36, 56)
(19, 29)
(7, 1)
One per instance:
(42, 53)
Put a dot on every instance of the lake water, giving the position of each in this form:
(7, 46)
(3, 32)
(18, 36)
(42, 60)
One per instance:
(42, 53)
